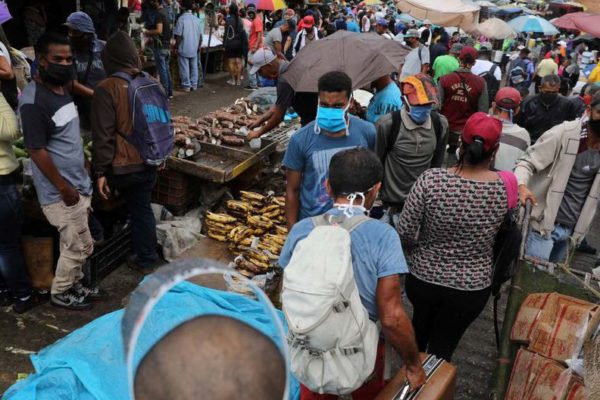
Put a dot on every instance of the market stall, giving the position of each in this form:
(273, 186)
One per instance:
(457, 13)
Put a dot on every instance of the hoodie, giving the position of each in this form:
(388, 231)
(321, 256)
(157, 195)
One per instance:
(111, 117)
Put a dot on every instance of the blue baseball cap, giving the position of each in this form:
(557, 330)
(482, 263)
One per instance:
(81, 22)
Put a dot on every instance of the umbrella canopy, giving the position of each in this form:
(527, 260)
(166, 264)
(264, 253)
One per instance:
(531, 23)
(363, 56)
(495, 28)
(269, 5)
(589, 24)
(568, 21)
(485, 3)
(457, 13)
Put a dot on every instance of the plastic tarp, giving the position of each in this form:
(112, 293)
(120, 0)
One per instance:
(89, 363)
(460, 13)
(495, 28)
(589, 24)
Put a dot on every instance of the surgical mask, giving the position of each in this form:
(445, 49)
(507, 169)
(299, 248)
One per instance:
(420, 114)
(56, 74)
(548, 98)
(594, 125)
(352, 209)
(332, 119)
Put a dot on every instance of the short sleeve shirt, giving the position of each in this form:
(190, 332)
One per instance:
(189, 29)
(376, 253)
(96, 72)
(256, 28)
(272, 37)
(310, 153)
(50, 121)
(444, 65)
(384, 102)
(414, 62)
(305, 104)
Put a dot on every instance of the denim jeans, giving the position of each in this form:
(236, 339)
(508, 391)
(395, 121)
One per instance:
(136, 189)
(13, 275)
(161, 58)
(554, 248)
(252, 78)
(188, 71)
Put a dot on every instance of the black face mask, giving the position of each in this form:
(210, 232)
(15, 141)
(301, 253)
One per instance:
(56, 74)
(594, 126)
(548, 98)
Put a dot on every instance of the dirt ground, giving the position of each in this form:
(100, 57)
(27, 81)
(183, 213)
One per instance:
(28, 333)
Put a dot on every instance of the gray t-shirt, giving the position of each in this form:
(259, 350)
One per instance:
(587, 164)
(272, 37)
(414, 60)
(50, 121)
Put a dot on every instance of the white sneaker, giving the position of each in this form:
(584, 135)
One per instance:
(231, 82)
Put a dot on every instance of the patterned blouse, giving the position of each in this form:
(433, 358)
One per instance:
(448, 226)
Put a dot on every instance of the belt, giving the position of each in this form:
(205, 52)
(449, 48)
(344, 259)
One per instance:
(10, 179)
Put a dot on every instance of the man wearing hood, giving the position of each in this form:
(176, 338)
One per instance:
(89, 71)
(116, 163)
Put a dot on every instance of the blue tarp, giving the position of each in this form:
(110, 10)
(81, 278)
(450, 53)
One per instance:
(89, 363)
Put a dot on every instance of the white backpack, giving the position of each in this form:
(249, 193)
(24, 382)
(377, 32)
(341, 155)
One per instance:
(333, 344)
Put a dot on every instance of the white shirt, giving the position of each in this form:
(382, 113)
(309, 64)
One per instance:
(482, 66)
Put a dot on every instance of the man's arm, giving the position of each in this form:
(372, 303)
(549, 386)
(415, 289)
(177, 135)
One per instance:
(156, 31)
(440, 148)
(383, 126)
(9, 126)
(42, 160)
(80, 89)
(292, 196)
(6, 71)
(278, 51)
(398, 329)
(425, 68)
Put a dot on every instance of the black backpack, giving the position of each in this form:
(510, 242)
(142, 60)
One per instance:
(493, 84)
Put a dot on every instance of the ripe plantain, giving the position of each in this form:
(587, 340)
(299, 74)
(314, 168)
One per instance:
(259, 221)
(279, 239)
(257, 256)
(281, 230)
(280, 201)
(217, 236)
(222, 218)
(273, 214)
(237, 205)
(217, 225)
(252, 196)
(268, 209)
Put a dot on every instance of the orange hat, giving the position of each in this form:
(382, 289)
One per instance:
(419, 89)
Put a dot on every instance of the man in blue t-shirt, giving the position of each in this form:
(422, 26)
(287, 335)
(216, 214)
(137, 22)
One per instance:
(387, 99)
(311, 148)
(355, 177)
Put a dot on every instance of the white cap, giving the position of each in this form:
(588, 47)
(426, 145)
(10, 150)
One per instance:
(261, 58)
(427, 22)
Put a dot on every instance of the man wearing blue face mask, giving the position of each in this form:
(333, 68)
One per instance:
(410, 141)
(311, 148)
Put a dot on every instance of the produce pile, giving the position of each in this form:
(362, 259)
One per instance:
(254, 227)
(226, 126)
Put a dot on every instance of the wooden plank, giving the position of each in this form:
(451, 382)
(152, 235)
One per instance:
(220, 164)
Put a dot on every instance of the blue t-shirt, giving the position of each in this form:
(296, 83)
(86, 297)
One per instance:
(376, 253)
(384, 102)
(310, 154)
(190, 30)
(352, 26)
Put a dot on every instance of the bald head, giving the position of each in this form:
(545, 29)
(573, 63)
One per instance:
(212, 357)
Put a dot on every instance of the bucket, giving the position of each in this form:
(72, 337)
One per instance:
(39, 260)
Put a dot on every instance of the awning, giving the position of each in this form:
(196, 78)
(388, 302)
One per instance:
(463, 14)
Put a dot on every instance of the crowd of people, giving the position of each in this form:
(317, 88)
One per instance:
(447, 144)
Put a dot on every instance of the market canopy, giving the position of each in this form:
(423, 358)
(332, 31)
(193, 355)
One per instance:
(568, 21)
(495, 28)
(532, 24)
(462, 14)
(268, 5)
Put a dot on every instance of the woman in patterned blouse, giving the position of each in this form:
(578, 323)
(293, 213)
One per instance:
(447, 227)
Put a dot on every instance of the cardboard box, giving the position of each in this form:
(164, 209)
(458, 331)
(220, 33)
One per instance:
(440, 385)
(528, 316)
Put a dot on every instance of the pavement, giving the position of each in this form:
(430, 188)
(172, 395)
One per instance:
(22, 335)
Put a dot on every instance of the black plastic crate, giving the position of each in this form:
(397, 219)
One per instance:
(107, 258)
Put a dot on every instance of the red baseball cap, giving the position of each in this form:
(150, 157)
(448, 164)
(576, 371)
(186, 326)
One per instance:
(508, 98)
(308, 21)
(482, 125)
(468, 51)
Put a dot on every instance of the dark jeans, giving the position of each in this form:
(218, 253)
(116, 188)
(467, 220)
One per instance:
(161, 59)
(13, 275)
(136, 189)
(441, 315)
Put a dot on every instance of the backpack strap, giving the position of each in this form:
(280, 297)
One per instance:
(123, 75)
(512, 187)
(440, 145)
(342, 221)
(395, 130)
(493, 69)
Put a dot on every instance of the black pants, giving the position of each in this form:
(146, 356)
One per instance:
(136, 189)
(13, 275)
(442, 315)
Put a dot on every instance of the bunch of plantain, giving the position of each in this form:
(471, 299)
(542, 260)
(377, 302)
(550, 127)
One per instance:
(239, 208)
(260, 222)
(219, 226)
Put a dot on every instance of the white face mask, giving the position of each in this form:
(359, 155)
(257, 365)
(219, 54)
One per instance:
(352, 209)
